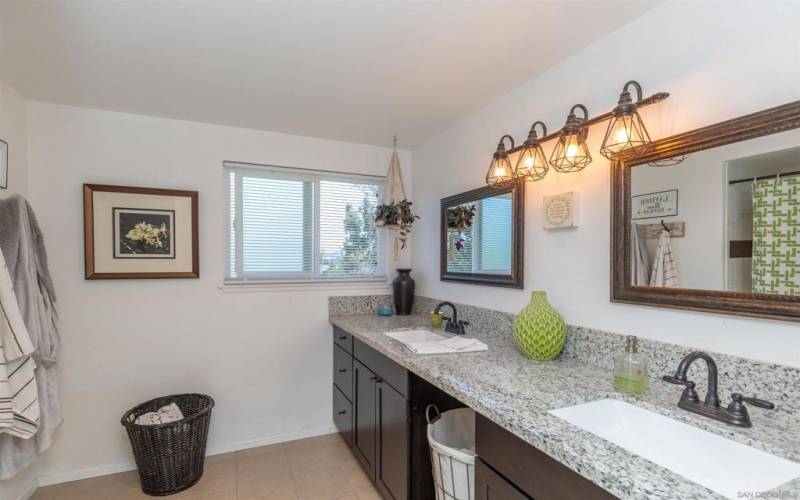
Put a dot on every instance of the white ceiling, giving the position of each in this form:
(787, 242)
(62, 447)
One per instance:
(349, 70)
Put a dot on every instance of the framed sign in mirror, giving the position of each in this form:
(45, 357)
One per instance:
(482, 236)
(734, 247)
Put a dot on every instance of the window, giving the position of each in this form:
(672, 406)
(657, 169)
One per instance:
(301, 225)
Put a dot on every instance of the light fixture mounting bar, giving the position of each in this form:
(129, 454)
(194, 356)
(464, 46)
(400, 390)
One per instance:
(653, 99)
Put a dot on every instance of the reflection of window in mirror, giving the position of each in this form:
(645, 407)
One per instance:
(740, 209)
(486, 246)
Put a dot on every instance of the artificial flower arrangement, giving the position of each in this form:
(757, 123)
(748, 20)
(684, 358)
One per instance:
(397, 216)
(459, 219)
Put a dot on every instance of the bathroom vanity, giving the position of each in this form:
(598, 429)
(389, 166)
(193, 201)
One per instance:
(379, 409)
(525, 450)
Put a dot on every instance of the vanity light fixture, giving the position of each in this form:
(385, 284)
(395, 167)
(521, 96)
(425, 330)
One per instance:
(626, 133)
(626, 136)
(500, 172)
(571, 153)
(531, 164)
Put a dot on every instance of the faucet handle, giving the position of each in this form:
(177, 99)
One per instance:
(761, 403)
(673, 380)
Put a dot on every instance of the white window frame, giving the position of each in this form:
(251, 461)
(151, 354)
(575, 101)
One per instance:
(293, 280)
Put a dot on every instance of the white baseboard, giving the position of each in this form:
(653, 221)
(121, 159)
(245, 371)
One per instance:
(277, 438)
(46, 479)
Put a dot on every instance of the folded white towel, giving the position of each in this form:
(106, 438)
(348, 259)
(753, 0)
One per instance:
(451, 345)
(164, 415)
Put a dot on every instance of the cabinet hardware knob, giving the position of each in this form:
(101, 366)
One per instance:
(342, 370)
(375, 380)
(343, 337)
(342, 412)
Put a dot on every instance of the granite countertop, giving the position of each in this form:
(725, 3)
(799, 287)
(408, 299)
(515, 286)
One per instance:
(517, 393)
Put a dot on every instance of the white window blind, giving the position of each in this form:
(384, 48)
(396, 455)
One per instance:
(301, 225)
(486, 246)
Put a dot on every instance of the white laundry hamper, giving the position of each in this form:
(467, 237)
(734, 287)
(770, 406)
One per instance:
(451, 436)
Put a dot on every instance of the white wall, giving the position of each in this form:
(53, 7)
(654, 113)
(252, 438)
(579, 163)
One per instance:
(13, 131)
(718, 60)
(264, 357)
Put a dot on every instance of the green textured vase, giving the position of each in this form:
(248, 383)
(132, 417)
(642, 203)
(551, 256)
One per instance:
(539, 330)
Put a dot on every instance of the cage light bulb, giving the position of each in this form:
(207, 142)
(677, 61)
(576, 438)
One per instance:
(572, 151)
(529, 161)
(622, 136)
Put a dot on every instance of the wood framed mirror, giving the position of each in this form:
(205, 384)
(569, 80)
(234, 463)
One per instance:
(734, 238)
(482, 236)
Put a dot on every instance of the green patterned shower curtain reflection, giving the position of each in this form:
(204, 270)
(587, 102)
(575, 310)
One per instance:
(776, 236)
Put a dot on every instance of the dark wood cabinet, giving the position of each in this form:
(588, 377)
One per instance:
(343, 371)
(391, 473)
(490, 485)
(343, 415)
(378, 407)
(530, 470)
(365, 436)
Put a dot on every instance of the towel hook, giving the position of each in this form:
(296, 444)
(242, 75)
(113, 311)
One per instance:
(666, 228)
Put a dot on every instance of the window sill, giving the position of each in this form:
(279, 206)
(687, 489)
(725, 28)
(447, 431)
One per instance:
(256, 286)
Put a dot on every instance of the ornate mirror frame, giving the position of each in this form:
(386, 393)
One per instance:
(767, 122)
(513, 280)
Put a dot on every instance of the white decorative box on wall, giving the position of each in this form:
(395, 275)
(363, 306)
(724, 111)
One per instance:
(562, 210)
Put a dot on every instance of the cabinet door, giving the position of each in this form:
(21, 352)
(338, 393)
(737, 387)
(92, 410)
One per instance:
(343, 371)
(391, 475)
(364, 428)
(343, 415)
(491, 486)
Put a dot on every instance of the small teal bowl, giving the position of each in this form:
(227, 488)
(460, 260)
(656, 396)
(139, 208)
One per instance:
(384, 311)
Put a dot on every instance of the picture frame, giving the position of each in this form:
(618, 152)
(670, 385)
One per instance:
(561, 211)
(3, 164)
(140, 233)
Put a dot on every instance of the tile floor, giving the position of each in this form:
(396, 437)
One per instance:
(319, 468)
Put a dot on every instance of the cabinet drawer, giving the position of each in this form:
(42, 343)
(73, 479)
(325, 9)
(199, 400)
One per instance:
(531, 470)
(389, 371)
(343, 415)
(490, 485)
(343, 339)
(343, 371)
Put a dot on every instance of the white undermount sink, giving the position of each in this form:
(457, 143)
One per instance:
(719, 464)
(415, 335)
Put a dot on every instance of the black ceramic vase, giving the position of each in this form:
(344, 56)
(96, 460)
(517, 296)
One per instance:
(403, 289)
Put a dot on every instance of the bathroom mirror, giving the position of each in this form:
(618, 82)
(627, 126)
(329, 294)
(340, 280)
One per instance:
(710, 219)
(481, 236)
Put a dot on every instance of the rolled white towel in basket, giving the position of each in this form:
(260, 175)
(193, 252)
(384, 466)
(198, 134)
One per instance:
(164, 415)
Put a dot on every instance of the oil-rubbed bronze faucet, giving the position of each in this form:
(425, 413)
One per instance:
(453, 325)
(736, 412)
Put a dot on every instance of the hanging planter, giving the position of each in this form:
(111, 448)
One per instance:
(397, 216)
(394, 212)
(459, 219)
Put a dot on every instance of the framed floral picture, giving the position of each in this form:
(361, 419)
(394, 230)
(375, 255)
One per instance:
(132, 232)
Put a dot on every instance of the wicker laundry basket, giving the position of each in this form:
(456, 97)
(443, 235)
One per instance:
(170, 456)
(451, 436)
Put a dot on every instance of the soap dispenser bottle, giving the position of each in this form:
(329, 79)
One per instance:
(630, 369)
